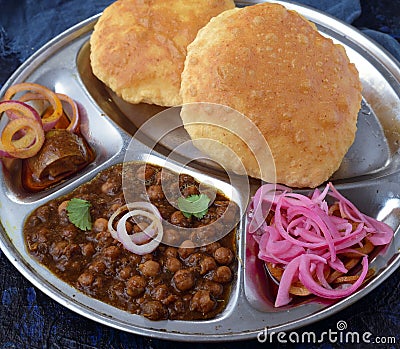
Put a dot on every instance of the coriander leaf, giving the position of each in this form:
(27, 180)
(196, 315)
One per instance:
(78, 211)
(196, 205)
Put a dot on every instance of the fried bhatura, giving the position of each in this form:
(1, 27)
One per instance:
(297, 86)
(138, 48)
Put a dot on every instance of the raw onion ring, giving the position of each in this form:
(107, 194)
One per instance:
(133, 205)
(144, 241)
(23, 110)
(49, 121)
(73, 119)
(29, 144)
(128, 241)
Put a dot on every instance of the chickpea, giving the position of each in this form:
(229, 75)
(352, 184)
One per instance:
(183, 280)
(62, 208)
(206, 264)
(222, 274)
(173, 264)
(135, 286)
(97, 266)
(149, 268)
(57, 249)
(112, 252)
(215, 288)
(171, 252)
(125, 272)
(155, 192)
(202, 302)
(194, 259)
(135, 259)
(86, 278)
(223, 255)
(186, 249)
(178, 219)
(146, 257)
(145, 172)
(100, 224)
(210, 248)
(153, 310)
(113, 208)
(172, 237)
(160, 292)
(88, 249)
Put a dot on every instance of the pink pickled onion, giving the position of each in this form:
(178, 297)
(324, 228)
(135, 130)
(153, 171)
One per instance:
(305, 238)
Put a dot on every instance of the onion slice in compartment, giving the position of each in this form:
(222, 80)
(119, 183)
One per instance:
(73, 116)
(310, 241)
(31, 138)
(50, 120)
(145, 241)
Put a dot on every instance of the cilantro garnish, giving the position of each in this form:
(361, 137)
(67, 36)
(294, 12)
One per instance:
(79, 213)
(196, 205)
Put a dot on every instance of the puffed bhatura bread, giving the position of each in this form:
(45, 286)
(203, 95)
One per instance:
(138, 47)
(296, 86)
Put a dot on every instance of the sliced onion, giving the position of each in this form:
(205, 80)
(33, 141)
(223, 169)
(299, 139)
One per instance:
(144, 205)
(50, 120)
(306, 237)
(141, 242)
(308, 281)
(73, 118)
(18, 109)
(26, 146)
(22, 135)
(128, 242)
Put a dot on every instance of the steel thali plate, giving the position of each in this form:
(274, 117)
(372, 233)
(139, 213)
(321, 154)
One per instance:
(369, 176)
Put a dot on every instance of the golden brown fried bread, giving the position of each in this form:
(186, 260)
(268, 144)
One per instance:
(138, 47)
(295, 85)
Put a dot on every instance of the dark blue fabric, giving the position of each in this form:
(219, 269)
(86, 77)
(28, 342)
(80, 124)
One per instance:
(346, 10)
(386, 41)
(32, 23)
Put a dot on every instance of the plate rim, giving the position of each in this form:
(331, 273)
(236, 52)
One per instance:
(10, 251)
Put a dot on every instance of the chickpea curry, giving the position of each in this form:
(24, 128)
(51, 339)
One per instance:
(179, 279)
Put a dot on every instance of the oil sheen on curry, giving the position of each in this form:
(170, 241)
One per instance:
(180, 279)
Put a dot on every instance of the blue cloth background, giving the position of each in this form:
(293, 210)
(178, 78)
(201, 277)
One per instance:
(30, 319)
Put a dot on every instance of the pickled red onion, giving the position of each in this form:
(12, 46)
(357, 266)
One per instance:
(305, 238)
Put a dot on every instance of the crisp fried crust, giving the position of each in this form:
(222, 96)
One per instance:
(295, 85)
(138, 47)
